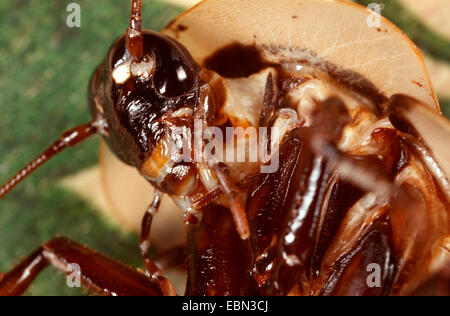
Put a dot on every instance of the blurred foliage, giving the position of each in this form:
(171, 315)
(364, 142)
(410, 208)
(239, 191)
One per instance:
(44, 71)
(445, 106)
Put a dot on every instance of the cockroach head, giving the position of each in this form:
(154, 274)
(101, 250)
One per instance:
(145, 77)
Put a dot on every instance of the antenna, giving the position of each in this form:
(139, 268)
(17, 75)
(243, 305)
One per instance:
(134, 33)
(68, 139)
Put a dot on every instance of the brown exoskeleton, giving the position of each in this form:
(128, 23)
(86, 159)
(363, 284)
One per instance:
(337, 204)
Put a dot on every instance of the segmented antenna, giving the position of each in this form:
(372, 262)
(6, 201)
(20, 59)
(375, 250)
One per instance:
(68, 139)
(134, 34)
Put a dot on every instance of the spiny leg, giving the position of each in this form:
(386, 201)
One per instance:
(97, 273)
(144, 245)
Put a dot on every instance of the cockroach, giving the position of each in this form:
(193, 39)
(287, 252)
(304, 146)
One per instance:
(362, 178)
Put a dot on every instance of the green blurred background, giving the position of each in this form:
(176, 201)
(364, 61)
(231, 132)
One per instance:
(44, 70)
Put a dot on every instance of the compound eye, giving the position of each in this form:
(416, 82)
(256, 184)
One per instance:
(174, 82)
(176, 72)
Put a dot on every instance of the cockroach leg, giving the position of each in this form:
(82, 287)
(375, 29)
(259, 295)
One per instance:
(428, 147)
(269, 103)
(329, 121)
(269, 109)
(219, 260)
(425, 154)
(236, 205)
(300, 222)
(18, 280)
(359, 172)
(342, 196)
(98, 273)
(268, 198)
(349, 276)
(144, 244)
(222, 174)
(152, 270)
(206, 199)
